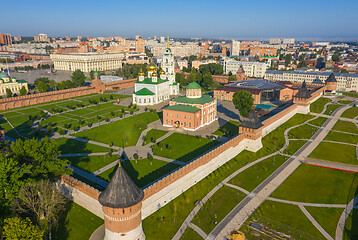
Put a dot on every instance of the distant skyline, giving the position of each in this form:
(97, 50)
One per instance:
(315, 20)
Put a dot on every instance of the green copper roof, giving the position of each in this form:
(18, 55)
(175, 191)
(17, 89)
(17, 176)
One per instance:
(202, 100)
(96, 73)
(4, 75)
(144, 92)
(193, 85)
(149, 81)
(21, 81)
(183, 108)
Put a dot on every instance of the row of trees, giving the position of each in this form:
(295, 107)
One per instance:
(28, 170)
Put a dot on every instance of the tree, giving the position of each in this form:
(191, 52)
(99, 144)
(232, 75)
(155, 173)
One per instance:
(288, 59)
(78, 78)
(8, 93)
(69, 84)
(42, 87)
(23, 91)
(61, 85)
(207, 81)
(232, 78)
(180, 78)
(40, 157)
(344, 71)
(92, 74)
(17, 228)
(53, 84)
(243, 101)
(41, 79)
(335, 58)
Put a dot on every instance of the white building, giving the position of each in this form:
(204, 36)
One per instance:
(275, 41)
(288, 41)
(87, 62)
(6, 82)
(168, 67)
(182, 63)
(235, 48)
(251, 69)
(345, 81)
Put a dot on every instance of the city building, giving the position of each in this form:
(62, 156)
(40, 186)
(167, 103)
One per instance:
(261, 90)
(182, 63)
(251, 69)
(275, 41)
(288, 41)
(196, 63)
(5, 39)
(87, 62)
(192, 111)
(345, 81)
(41, 38)
(167, 66)
(235, 48)
(261, 52)
(7, 82)
(152, 89)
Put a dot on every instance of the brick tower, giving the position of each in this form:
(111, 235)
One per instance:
(331, 83)
(122, 205)
(251, 128)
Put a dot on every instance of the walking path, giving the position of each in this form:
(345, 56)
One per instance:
(244, 209)
(329, 116)
(90, 176)
(83, 154)
(315, 223)
(330, 164)
(198, 230)
(105, 168)
(343, 218)
(169, 160)
(14, 128)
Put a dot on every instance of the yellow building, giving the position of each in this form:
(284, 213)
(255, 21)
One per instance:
(6, 82)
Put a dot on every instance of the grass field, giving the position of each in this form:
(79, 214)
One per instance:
(142, 171)
(253, 176)
(229, 129)
(153, 134)
(318, 105)
(76, 223)
(303, 132)
(331, 108)
(350, 229)
(350, 112)
(335, 152)
(345, 126)
(294, 146)
(327, 218)
(342, 137)
(285, 218)
(91, 163)
(124, 132)
(183, 147)
(318, 121)
(217, 207)
(67, 146)
(190, 234)
(318, 185)
(344, 101)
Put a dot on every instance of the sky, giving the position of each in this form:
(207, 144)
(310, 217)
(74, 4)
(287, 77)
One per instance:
(314, 20)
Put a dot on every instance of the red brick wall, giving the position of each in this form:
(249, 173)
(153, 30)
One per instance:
(86, 189)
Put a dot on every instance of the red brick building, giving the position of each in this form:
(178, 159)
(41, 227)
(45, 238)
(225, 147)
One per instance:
(192, 111)
(259, 51)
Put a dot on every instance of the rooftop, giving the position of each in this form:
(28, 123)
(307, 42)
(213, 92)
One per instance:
(144, 92)
(149, 81)
(193, 85)
(183, 108)
(201, 101)
(255, 84)
(313, 73)
(251, 121)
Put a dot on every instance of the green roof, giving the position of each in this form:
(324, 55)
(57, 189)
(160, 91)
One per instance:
(21, 81)
(96, 73)
(175, 83)
(149, 81)
(202, 100)
(144, 92)
(193, 85)
(183, 108)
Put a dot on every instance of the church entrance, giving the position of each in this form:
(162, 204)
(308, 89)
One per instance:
(177, 124)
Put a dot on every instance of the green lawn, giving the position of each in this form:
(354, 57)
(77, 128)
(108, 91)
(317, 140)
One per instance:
(153, 134)
(190, 234)
(318, 185)
(318, 121)
(326, 217)
(217, 207)
(318, 105)
(91, 163)
(342, 137)
(331, 108)
(253, 176)
(284, 218)
(303, 132)
(294, 146)
(142, 171)
(350, 94)
(167, 223)
(183, 147)
(229, 129)
(345, 101)
(123, 132)
(335, 152)
(350, 112)
(67, 146)
(345, 126)
(350, 228)
(76, 223)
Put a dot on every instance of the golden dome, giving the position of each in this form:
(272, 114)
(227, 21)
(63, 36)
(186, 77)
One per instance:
(141, 73)
(161, 72)
(154, 74)
(152, 67)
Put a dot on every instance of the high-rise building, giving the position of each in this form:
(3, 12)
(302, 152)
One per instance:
(5, 39)
(162, 40)
(41, 38)
(275, 41)
(17, 39)
(288, 41)
(235, 48)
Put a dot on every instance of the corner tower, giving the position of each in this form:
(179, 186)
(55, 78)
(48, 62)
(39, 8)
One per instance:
(331, 83)
(122, 207)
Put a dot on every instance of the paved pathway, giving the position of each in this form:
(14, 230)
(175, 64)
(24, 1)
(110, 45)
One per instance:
(169, 160)
(105, 168)
(83, 154)
(330, 164)
(343, 218)
(198, 230)
(14, 128)
(90, 176)
(246, 207)
(352, 144)
(315, 223)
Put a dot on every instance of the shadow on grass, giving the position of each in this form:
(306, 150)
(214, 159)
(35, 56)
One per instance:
(351, 230)
(199, 151)
(61, 230)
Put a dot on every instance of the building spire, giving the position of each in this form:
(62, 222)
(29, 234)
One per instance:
(168, 41)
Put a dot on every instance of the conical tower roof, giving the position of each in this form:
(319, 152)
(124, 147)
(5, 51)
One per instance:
(121, 192)
(251, 121)
(303, 92)
(331, 78)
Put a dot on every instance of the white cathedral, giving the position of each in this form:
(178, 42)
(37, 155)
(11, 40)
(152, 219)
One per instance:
(155, 89)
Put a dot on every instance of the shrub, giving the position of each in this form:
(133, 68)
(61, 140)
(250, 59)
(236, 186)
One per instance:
(61, 131)
(107, 119)
(131, 111)
(89, 124)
